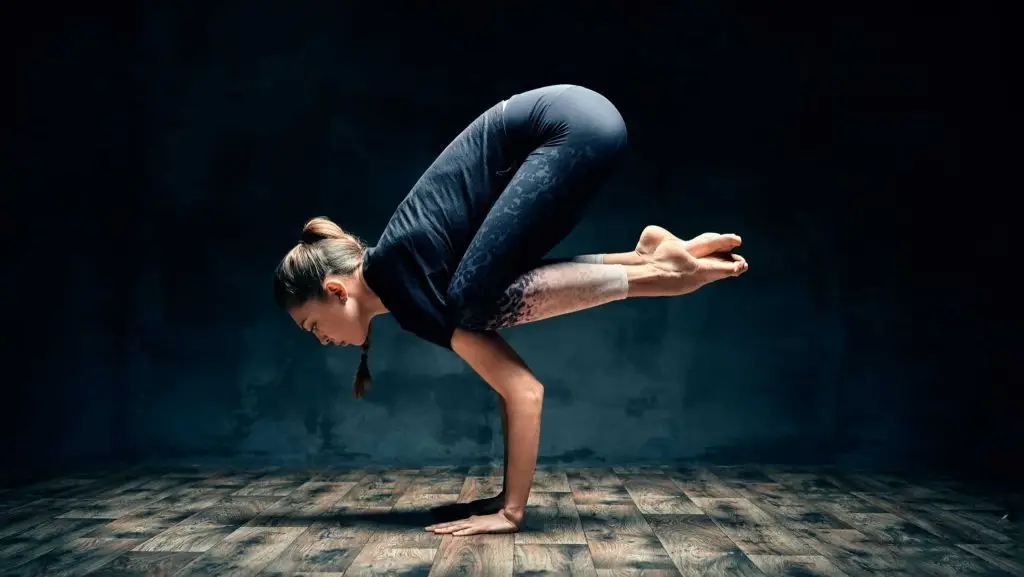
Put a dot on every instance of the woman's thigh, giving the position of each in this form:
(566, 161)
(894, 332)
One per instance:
(579, 136)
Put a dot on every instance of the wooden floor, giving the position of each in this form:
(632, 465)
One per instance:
(615, 521)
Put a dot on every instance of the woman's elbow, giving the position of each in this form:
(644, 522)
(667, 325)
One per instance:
(528, 397)
(495, 361)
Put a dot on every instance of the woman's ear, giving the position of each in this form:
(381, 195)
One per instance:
(336, 288)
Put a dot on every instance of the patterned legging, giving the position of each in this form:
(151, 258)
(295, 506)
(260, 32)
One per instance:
(573, 136)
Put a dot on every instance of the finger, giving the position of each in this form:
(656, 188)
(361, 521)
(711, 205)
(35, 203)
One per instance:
(457, 526)
(445, 525)
(465, 532)
(452, 529)
(449, 528)
(708, 243)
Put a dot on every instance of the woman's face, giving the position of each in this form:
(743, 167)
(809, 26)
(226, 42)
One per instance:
(334, 321)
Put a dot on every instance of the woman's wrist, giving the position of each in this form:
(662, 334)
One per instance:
(514, 514)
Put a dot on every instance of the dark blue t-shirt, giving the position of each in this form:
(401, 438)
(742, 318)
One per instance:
(412, 264)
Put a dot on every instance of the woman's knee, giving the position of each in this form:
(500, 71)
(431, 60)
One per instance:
(611, 132)
(467, 314)
(604, 125)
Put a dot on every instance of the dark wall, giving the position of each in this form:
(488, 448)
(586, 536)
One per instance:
(163, 159)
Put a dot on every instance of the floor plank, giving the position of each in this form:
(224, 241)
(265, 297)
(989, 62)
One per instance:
(476, 554)
(698, 546)
(809, 565)
(658, 494)
(621, 539)
(246, 551)
(754, 531)
(76, 557)
(551, 519)
(135, 563)
(538, 559)
(321, 548)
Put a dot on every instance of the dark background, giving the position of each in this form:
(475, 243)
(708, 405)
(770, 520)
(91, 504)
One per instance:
(163, 158)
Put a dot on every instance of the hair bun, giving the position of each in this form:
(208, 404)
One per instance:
(320, 228)
(309, 237)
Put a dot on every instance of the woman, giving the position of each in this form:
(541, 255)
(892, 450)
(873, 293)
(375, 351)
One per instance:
(464, 255)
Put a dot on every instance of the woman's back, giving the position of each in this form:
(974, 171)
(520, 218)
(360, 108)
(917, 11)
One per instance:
(412, 264)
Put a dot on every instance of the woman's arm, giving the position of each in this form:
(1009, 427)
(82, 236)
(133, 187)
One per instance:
(504, 370)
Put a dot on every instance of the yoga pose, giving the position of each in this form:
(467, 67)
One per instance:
(465, 254)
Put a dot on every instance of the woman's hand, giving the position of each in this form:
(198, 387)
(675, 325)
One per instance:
(477, 525)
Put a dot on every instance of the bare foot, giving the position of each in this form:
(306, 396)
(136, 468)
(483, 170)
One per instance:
(685, 266)
(671, 256)
(650, 238)
(702, 245)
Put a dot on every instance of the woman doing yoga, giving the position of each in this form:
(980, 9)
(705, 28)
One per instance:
(465, 254)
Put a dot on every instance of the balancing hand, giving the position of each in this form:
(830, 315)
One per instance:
(476, 525)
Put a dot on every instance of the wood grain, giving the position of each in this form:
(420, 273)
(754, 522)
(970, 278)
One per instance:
(629, 520)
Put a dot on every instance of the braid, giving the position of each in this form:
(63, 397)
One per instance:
(363, 379)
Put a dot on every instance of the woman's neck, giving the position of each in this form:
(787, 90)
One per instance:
(368, 299)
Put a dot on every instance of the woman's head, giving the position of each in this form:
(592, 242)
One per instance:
(319, 283)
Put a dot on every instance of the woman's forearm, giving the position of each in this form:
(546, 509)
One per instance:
(497, 364)
(524, 417)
